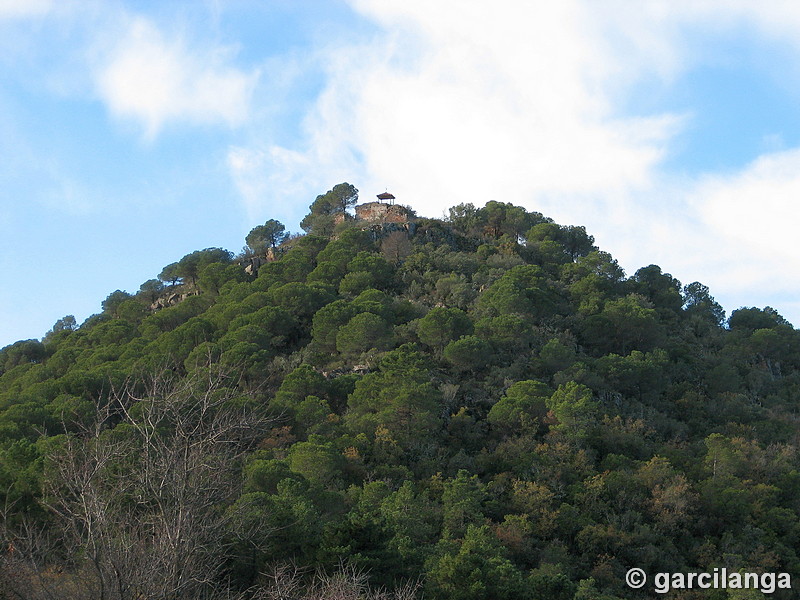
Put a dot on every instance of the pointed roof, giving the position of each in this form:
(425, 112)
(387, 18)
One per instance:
(385, 196)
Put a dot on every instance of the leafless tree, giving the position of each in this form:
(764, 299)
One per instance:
(396, 246)
(141, 497)
(287, 582)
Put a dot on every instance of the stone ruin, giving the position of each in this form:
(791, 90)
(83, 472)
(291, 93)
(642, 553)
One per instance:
(380, 218)
(378, 212)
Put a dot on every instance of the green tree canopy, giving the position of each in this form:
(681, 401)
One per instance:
(151, 289)
(113, 301)
(575, 410)
(364, 332)
(269, 235)
(325, 207)
(756, 318)
(398, 397)
(522, 408)
(699, 302)
(188, 268)
(443, 325)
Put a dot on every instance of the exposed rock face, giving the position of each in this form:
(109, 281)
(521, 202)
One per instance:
(379, 230)
(355, 369)
(253, 264)
(171, 299)
(377, 212)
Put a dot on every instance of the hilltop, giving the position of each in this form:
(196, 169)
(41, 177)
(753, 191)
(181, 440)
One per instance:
(485, 404)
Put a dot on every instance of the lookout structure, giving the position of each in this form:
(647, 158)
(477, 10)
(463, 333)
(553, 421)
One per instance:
(386, 196)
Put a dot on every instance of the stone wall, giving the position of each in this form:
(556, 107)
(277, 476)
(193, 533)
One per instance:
(377, 212)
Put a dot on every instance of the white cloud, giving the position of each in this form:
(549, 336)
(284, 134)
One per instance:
(755, 215)
(735, 232)
(11, 9)
(152, 79)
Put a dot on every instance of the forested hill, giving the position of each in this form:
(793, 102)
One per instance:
(481, 407)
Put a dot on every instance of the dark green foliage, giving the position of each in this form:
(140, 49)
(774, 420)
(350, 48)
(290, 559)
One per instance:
(22, 352)
(443, 325)
(623, 325)
(169, 318)
(326, 207)
(319, 463)
(464, 218)
(170, 274)
(499, 218)
(754, 318)
(508, 334)
(61, 329)
(475, 569)
(467, 353)
(363, 332)
(114, 300)
(300, 299)
(661, 289)
(524, 291)
(150, 290)
(522, 408)
(366, 271)
(189, 267)
(576, 241)
(353, 284)
(699, 302)
(328, 320)
(574, 410)
(213, 277)
(269, 235)
(304, 381)
(486, 404)
(397, 403)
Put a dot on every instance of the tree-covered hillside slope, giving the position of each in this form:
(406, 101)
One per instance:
(481, 407)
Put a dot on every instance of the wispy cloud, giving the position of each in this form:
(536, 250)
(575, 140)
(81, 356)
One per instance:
(265, 180)
(155, 79)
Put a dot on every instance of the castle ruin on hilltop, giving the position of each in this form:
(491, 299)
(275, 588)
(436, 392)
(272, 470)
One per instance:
(384, 217)
(380, 218)
(383, 212)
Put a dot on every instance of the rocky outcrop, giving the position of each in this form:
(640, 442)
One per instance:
(253, 263)
(172, 298)
(379, 231)
(377, 212)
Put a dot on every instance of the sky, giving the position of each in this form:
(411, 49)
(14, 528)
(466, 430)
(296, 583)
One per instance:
(133, 133)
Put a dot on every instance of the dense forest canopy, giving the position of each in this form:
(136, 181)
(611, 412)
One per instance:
(480, 407)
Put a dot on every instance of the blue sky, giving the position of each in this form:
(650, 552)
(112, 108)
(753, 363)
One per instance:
(132, 133)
